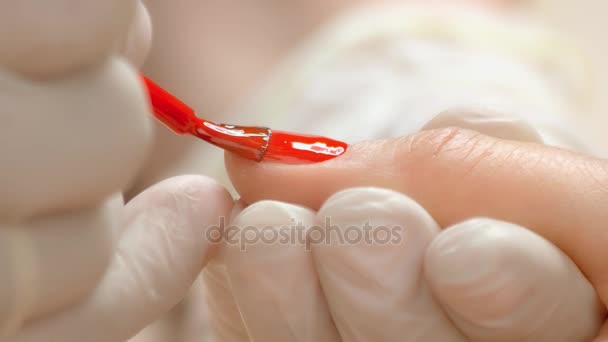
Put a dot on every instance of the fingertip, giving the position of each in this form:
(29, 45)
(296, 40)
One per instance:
(365, 227)
(369, 254)
(467, 267)
(202, 193)
(139, 37)
(197, 202)
(267, 261)
(261, 228)
(498, 279)
(363, 203)
(474, 242)
(239, 169)
(257, 181)
(246, 177)
(273, 213)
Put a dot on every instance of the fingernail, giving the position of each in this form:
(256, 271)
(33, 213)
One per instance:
(293, 148)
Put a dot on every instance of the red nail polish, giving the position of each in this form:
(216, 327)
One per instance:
(254, 143)
(298, 148)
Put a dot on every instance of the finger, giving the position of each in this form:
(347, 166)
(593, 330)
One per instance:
(137, 42)
(224, 316)
(42, 39)
(500, 282)
(273, 277)
(487, 121)
(159, 256)
(52, 263)
(70, 143)
(191, 319)
(187, 321)
(458, 174)
(370, 266)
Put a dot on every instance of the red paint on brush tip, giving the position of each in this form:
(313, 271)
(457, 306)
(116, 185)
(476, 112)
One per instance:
(254, 143)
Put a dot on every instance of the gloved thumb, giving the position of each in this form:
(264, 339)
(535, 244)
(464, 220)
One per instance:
(168, 238)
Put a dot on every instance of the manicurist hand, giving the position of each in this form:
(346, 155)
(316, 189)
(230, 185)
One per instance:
(76, 264)
(497, 238)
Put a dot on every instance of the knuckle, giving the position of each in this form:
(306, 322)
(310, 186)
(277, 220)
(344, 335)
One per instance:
(448, 155)
(438, 141)
(597, 174)
(451, 144)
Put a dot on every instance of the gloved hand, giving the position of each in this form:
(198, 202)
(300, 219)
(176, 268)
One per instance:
(76, 264)
(478, 280)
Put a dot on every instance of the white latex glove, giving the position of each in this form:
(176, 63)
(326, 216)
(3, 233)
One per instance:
(76, 264)
(480, 280)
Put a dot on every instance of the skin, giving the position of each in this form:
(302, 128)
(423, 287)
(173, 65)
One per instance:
(560, 195)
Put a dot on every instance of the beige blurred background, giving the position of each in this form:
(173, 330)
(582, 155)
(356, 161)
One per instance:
(188, 41)
(585, 21)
